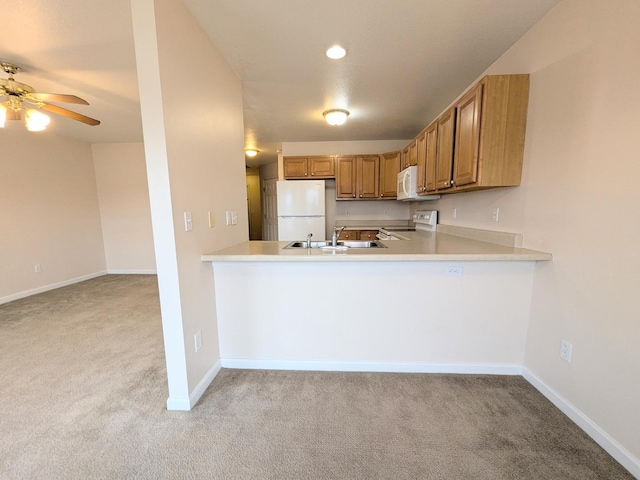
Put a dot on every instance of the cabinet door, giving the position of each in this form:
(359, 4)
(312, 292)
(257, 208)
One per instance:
(444, 149)
(322, 167)
(367, 234)
(413, 153)
(465, 162)
(348, 235)
(368, 176)
(431, 140)
(346, 177)
(422, 161)
(405, 158)
(295, 167)
(389, 169)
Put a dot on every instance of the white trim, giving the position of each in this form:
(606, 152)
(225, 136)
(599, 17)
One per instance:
(53, 286)
(187, 404)
(393, 367)
(602, 438)
(131, 272)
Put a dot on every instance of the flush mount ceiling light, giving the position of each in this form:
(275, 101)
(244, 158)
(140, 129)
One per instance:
(251, 152)
(336, 52)
(335, 116)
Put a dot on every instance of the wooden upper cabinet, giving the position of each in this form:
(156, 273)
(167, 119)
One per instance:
(410, 155)
(445, 125)
(491, 131)
(357, 178)
(368, 176)
(389, 169)
(296, 167)
(309, 167)
(346, 177)
(322, 167)
(431, 157)
(467, 143)
(421, 142)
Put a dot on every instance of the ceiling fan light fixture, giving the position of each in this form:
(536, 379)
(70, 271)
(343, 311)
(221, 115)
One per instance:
(36, 121)
(336, 52)
(336, 116)
(251, 152)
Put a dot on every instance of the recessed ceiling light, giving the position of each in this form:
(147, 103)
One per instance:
(336, 52)
(251, 152)
(335, 116)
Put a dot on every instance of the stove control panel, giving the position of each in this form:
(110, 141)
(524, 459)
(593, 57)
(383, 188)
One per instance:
(426, 217)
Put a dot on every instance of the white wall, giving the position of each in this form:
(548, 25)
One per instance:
(125, 213)
(453, 324)
(48, 213)
(195, 163)
(579, 200)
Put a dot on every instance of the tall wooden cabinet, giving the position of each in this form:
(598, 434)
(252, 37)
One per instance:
(346, 177)
(431, 157)
(445, 129)
(389, 169)
(368, 176)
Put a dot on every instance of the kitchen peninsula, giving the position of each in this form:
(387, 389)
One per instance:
(435, 302)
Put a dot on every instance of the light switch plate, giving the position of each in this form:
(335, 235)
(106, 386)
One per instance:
(188, 222)
(212, 219)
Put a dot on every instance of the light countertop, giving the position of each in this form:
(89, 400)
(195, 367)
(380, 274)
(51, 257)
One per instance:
(418, 246)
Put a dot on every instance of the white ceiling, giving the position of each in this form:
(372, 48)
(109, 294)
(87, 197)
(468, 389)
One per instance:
(407, 60)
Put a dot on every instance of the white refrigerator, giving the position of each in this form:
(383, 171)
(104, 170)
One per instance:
(300, 209)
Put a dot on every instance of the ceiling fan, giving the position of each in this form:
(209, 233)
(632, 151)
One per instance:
(16, 97)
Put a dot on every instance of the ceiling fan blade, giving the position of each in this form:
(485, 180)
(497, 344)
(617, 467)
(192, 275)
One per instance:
(69, 114)
(59, 98)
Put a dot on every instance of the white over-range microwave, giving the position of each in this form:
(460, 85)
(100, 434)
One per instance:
(408, 186)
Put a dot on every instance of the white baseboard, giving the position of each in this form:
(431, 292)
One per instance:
(617, 451)
(46, 288)
(391, 367)
(111, 271)
(186, 404)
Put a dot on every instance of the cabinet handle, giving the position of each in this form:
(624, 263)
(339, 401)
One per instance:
(382, 194)
(360, 195)
(354, 195)
(312, 174)
(305, 174)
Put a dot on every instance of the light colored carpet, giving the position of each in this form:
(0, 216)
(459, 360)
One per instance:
(83, 396)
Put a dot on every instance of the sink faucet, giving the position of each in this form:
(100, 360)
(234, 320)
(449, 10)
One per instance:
(309, 240)
(336, 234)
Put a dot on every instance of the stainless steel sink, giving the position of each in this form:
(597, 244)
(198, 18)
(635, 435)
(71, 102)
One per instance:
(362, 244)
(344, 243)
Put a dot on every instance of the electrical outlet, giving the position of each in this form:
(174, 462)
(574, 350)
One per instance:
(197, 339)
(234, 217)
(454, 213)
(38, 268)
(212, 220)
(496, 214)
(346, 213)
(453, 271)
(228, 217)
(565, 350)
